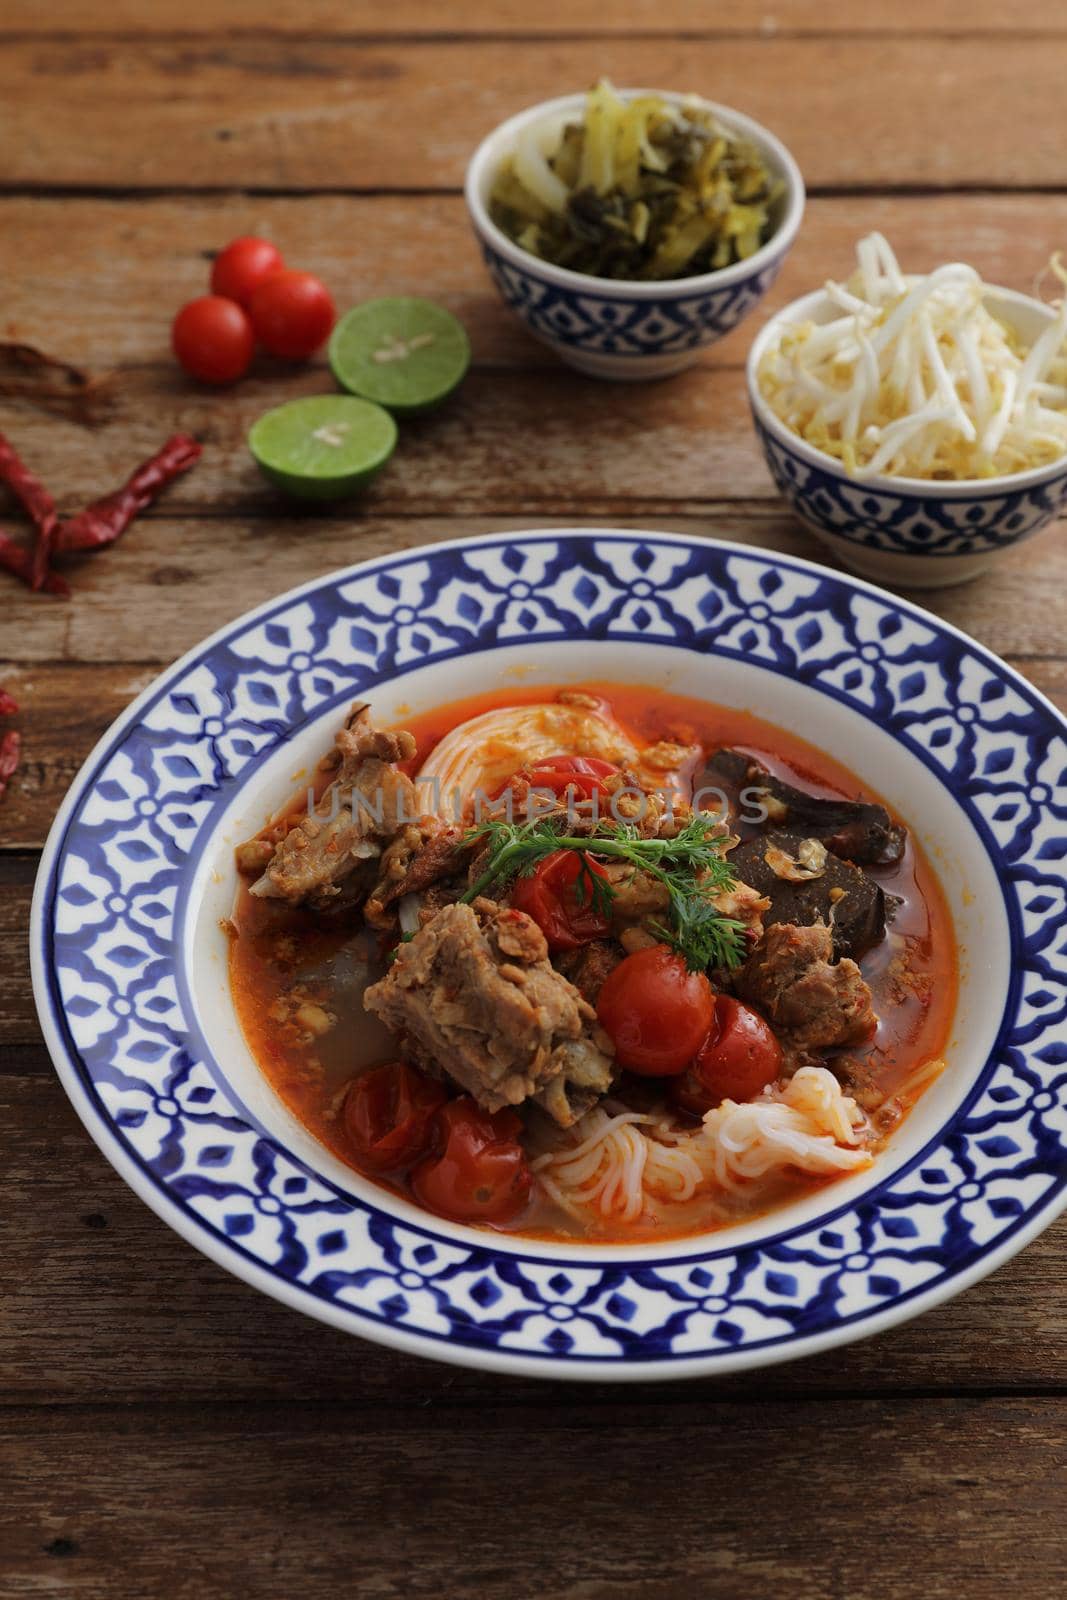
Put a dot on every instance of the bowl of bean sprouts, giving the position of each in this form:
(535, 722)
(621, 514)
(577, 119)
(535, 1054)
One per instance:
(917, 424)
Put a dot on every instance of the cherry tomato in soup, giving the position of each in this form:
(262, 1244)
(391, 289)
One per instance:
(584, 774)
(388, 1115)
(213, 339)
(477, 1171)
(240, 269)
(292, 314)
(560, 895)
(739, 1058)
(656, 1012)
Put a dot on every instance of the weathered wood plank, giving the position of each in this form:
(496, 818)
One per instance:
(545, 445)
(148, 256)
(505, 443)
(171, 581)
(516, 1501)
(62, 714)
(66, 707)
(276, 113)
(18, 1018)
(560, 18)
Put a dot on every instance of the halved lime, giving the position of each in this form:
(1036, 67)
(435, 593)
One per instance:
(322, 447)
(407, 354)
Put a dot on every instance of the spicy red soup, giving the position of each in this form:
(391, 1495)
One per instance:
(299, 977)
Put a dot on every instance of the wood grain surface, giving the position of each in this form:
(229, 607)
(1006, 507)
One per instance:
(165, 1431)
(278, 114)
(142, 255)
(517, 20)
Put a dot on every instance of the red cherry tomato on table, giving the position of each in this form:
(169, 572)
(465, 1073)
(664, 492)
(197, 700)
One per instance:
(292, 314)
(477, 1171)
(240, 269)
(559, 896)
(739, 1058)
(656, 1012)
(389, 1113)
(213, 339)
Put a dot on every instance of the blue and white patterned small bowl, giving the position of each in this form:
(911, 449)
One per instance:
(906, 531)
(130, 963)
(613, 328)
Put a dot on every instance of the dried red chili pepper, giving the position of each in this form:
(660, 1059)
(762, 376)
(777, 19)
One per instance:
(8, 704)
(99, 524)
(36, 500)
(104, 521)
(10, 750)
(19, 561)
(24, 484)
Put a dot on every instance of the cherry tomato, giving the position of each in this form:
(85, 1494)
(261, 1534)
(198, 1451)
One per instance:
(292, 314)
(389, 1113)
(558, 895)
(243, 266)
(656, 1011)
(739, 1057)
(477, 1171)
(213, 339)
(583, 774)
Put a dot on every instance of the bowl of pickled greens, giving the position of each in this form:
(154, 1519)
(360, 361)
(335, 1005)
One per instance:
(631, 228)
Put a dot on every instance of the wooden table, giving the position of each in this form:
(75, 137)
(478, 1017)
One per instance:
(166, 1431)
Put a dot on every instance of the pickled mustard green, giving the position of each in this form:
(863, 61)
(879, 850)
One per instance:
(639, 189)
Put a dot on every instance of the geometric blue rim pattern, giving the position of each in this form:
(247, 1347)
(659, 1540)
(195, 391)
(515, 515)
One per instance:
(909, 522)
(609, 325)
(110, 901)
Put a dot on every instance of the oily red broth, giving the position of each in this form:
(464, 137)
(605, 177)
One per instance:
(291, 970)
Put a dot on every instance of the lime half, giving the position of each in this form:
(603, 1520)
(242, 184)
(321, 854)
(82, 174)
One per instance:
(405, 353)
(323, 447)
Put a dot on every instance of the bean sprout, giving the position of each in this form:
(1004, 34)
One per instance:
(918, 378)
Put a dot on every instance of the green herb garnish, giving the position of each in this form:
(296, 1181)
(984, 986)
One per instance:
(691, 866)
(391, 955)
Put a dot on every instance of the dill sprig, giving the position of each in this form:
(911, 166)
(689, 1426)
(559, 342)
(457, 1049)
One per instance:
(691, 866)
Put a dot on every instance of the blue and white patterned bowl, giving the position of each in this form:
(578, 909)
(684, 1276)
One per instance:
(613, 328)
(905, 530)
(129, 962)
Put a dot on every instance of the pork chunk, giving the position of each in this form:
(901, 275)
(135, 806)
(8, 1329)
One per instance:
(474, 996)
(344, 834)
(641, 900)
(423, 853)
(589, 966)
(810, 1002)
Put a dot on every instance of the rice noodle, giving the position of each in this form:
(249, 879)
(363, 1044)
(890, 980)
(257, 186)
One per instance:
(920, 1078)
(485, 752)
(619, 1161)
(604, 1170)
(808, 1124)
(479, 756)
